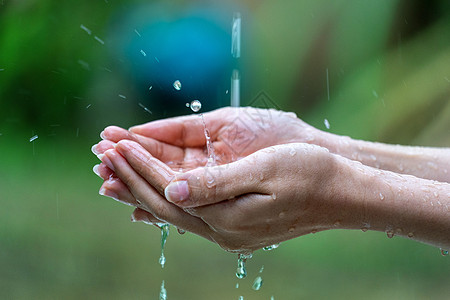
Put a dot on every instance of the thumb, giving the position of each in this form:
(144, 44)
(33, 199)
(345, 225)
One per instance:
(209, 185)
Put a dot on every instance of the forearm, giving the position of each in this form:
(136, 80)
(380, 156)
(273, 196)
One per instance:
(401, 205)
(423, 162)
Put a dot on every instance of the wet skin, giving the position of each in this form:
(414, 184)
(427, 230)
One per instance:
(275, 180)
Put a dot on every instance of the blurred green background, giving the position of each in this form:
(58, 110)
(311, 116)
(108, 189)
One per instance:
(376, 70)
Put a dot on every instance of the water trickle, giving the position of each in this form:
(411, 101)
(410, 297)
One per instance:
(390, 234)
(164, 235)
(163, 292)
(241, 271)
(211, 156)
(177, 85)
(271, 247)
(444, 252)
(257, 283)
(195, 105)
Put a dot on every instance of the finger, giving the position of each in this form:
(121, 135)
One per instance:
(102, 146)
(208, 185)
(114, 188)
(151, 200)
(140, 215)
(103, 171)
(186, 131)
(163, 151)
(151, 169)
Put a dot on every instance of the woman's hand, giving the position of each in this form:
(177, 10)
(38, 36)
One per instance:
(235, 133)
(284, 192)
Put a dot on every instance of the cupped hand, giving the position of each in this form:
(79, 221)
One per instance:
(272, 195)
(235, 133)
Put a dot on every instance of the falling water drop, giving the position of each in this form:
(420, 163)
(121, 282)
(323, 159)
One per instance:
(241, 271)
(163, 292)
(33, 138)
(444, 252)
(241, 298)
(196, 105)
(327, 124)
(390, 234)
(177, 85)
(257, 283)
(164, 235)
(237, 285)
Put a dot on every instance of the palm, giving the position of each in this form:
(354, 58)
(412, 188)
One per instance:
(235, 133)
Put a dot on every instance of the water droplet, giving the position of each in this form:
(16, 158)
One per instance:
(274, 196)
(314, 231)
(164, 235)
(337, 224)
(281, 215)
(292, 152)
(241, 271)
(177, 85)
(237, 285)
(163, 292)
(327, 124)
(291, 230)
(257, 283)
(262, 269)
(269, 248)
(410, 235)
(381, 196)
(444, 252)
(272, 298)
(390, 234)
(241, 298)
(143, 53)
(181, 231)
(364, 229)
(33, 138)
(196, 105)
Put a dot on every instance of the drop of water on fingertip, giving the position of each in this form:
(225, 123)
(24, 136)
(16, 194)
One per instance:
(271, 247)
(292, 152)
(381, 196)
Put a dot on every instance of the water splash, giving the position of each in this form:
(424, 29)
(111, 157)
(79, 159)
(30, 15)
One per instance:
(164, 235)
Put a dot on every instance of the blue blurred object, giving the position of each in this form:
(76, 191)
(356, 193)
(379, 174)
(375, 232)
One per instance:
(192, 45)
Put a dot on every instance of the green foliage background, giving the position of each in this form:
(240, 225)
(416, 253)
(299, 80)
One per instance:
(388, 65)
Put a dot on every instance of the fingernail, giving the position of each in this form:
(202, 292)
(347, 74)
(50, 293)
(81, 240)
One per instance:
(94, 149)
(108, 193)
(105, 159)
(177, 191)
(95, 169)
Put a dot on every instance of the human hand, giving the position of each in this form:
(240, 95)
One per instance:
(285, 192)
(235, 133)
